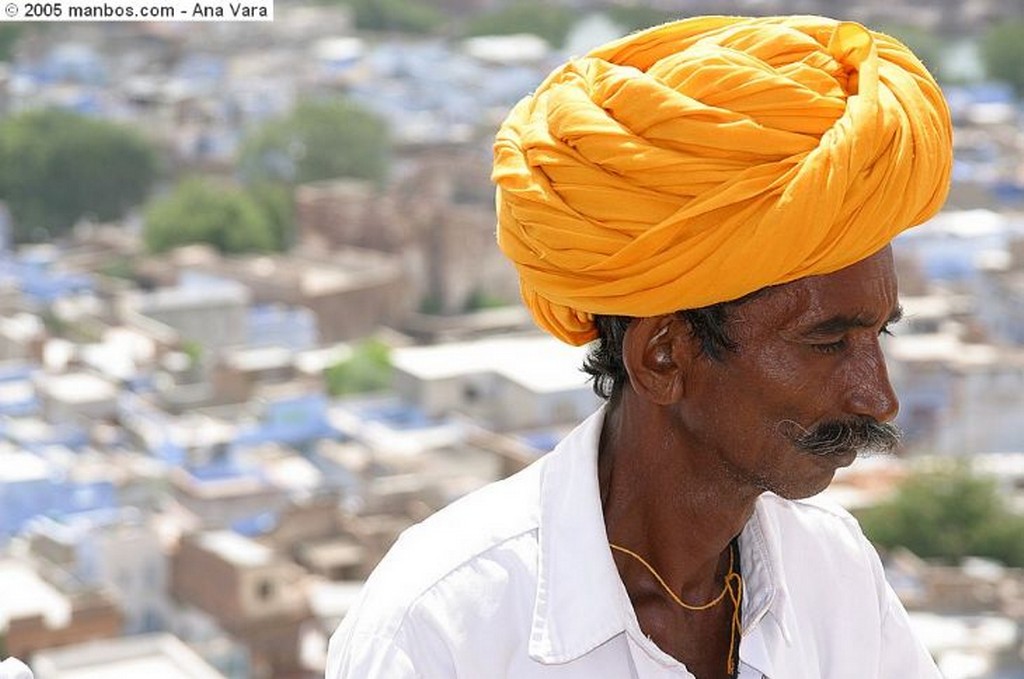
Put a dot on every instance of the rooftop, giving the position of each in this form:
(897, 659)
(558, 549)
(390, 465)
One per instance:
(260, 358)
(342, 270)
(946, 348)
(221, 293)
(78, 388)
(20, 466)
(538, 363)
(333, 599)
(23, 593)
(236, 549)
(157, 656)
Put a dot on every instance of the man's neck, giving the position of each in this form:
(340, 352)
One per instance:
(666, 500)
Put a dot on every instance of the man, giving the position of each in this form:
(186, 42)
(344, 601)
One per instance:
(711, 200)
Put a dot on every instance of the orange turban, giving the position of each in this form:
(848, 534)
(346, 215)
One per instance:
(698, 161)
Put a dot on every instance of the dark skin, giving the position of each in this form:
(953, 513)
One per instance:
(691, 442)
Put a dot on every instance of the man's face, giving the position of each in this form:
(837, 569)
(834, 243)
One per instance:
(807, 354)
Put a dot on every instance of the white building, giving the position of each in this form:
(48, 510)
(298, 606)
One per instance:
(77, 397)
(958, 398)
(505, 383)
(210, 311)
(24, 594)
(26, 482)
(117, 549)
(152, 657)
(20, 335)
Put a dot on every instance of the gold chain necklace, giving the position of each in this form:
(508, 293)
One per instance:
(733, 586)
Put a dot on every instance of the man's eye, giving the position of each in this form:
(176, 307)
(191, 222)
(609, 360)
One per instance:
(830, 347)
(886, 330)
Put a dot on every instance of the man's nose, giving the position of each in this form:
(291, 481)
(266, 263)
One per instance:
(870, 393)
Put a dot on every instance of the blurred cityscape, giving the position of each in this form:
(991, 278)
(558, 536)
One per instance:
(254, 323)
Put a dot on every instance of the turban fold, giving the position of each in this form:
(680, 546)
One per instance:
(701, 160)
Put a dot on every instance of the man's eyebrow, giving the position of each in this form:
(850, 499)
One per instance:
(841, 323)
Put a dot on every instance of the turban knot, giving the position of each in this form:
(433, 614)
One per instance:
(698, 161)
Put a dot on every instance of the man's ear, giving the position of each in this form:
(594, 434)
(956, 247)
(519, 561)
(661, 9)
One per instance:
(656, 355)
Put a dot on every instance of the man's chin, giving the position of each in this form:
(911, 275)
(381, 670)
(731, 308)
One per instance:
(824, 470)
(802, 492)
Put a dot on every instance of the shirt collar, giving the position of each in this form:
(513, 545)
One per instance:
(764, 577)
(578, 605)
(581, 601)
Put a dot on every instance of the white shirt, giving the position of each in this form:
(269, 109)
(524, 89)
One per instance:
(517, 580)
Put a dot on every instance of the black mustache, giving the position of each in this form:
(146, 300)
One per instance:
(839, 437)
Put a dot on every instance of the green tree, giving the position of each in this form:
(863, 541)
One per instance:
(367, 369)
(402, 16)
(277, 202)
(549, 21)
(479, 299)
(948, 514)
(194, 351)
(319, 140)
(1003, 52)
(57, 167)
(9, 36)
(199, 211)
(119, 267)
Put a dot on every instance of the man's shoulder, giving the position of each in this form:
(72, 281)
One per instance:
(476, 523)
(480, 525)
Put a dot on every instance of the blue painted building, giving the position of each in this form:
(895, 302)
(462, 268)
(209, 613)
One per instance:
(34, 274)
(31, 486)
(293, 421)
(280, 326)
